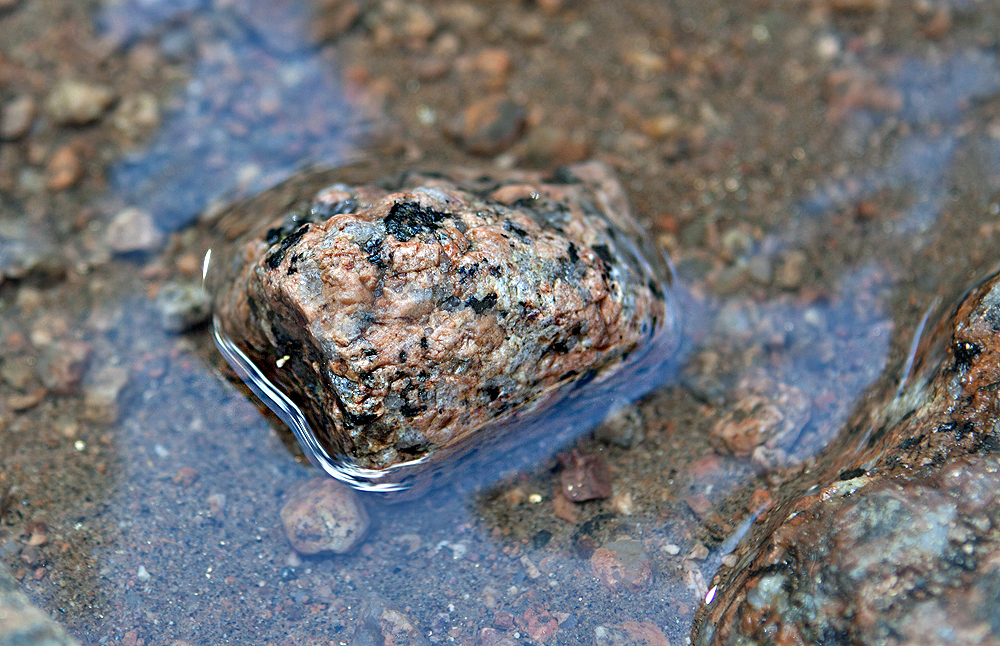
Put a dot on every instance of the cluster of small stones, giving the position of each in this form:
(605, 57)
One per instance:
(405, 316)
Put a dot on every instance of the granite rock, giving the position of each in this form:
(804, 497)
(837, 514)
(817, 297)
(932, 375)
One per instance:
(405, 316)
(892, 537)
(323, 515)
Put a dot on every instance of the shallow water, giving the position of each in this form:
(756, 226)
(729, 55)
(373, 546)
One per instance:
(863, 211)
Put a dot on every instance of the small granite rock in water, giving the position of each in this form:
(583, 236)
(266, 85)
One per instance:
(622, 565)
(133, 230)
(380, 623)
(404, 316)
(892, 538)
(324, 516)
(768, 413)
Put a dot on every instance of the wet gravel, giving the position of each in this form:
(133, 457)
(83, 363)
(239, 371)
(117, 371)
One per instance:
(820, 174)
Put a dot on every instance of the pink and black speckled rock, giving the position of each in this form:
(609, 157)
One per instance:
(409, 317)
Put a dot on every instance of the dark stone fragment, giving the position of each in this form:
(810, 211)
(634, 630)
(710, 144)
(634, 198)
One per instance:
(407, 219)
(604, 254)
(480, 305)
(850, 474)
(584, 477)
(276, 256)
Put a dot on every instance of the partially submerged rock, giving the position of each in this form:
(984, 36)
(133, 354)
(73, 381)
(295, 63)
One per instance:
(893, 537)
(391, 323)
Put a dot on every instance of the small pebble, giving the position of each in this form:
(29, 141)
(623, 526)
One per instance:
(24, 402)
(17, 117)
(17, 373)
(503, 620)
(622, 503)
(791, 272)
(217, 505)
(490, 125)
(78, 103)
(530, 568)
(183, 306)
(491, 637)
(64, 168)
(622, 565)
(565, 509)
(138, 114)
(31, 555)
(324, 516)
(661, 126)
(63, 365)
(100, 393)
(380, 623)
(645, 633)
(186, 476)
(420, 23)
(584, 477)
(133, 230)
(142, 574)
(495, 64)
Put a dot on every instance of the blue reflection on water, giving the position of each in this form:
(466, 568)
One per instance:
(257, 106)
(937, 95)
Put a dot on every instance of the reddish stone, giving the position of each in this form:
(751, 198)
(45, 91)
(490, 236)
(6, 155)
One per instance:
(584, 477)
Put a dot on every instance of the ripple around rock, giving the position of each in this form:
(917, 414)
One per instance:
(898, 538)
(404, 317)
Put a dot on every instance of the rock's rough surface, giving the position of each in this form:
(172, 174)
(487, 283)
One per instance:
(22, 624)
(324, 516)
(894, 537)
(403, 317)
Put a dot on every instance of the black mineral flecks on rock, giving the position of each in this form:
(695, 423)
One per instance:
(892, 537)
(397, 325)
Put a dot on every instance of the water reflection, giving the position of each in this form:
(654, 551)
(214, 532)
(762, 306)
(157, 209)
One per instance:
(259, 104)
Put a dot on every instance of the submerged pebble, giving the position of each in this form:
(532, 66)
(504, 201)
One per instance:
(400, 322)
(324, 516)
